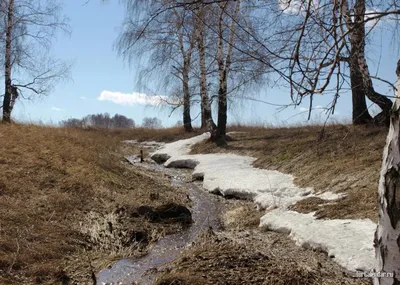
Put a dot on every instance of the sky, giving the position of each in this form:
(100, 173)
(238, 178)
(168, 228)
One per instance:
(101, 81)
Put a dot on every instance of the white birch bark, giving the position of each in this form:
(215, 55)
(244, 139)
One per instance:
(387, 236)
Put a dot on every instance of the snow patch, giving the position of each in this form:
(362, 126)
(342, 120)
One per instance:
(177, 148)
(234, 175)
(146, 144)
(348, 242)
(329, 196)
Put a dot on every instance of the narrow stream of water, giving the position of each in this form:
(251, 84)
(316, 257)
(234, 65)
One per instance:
(205, 213)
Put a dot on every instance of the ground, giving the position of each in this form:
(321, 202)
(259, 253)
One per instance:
(244, 254)
(68, 202)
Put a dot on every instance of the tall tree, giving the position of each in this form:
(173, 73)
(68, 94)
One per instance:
(30, 26)
(165, 32)
(206, 114)
(186, 49)
(224, 65)
(237, 71)
(361, 82)
(7, 67)
(323, 50)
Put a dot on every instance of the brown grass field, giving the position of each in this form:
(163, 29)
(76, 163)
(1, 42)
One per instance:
(66, 201)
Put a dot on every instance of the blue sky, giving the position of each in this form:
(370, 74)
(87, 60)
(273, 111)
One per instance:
(97, 68)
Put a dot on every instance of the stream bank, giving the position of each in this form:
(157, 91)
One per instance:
(205, 211)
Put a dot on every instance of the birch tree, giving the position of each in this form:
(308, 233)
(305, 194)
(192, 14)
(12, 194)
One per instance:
(224, 65)
(186, 48)
(320, 50)
(29, 26)
(237, 69)
(166, 33)
(387, 236)
(206, 114)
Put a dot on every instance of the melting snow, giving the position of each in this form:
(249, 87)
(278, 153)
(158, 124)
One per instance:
(349, 241)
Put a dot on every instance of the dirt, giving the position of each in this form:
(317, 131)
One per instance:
(243, 254)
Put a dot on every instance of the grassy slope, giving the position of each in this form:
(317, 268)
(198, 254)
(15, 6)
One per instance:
(341, 159)
(60, 190)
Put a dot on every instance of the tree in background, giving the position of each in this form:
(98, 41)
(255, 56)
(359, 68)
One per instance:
(179, 35)
(224, 60)
(28, 28)
(185, 32)
(169, 40)
(73, 123)
(152, 123)
(233, 71)
(100, 120)
(201, 14)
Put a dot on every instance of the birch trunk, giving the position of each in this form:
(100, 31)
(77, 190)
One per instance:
(186, 56)
(387, 235)
(187, 121)
(206, 115)
(357, 39)
(224, 64)
(361, 83)
(8, 65)
(382, 101)
(222, 106)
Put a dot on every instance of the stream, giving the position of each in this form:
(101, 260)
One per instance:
(205, 214)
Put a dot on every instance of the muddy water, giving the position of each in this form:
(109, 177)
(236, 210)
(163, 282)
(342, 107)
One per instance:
(205, 214)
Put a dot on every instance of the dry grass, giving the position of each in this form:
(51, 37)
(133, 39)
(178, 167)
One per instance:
(66, 201)
(253, 258)
(146, 134)
(233, 216)
(342, 158)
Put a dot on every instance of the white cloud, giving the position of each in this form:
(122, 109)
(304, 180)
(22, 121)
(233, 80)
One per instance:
(57, 109)
(296, 6)
(133, 98)
(371, 13)
(318, 107)
(83, 98)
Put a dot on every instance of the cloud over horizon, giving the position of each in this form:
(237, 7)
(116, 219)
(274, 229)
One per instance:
(57, 109)
(134, 98)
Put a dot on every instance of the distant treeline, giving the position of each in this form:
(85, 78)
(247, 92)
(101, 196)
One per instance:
(117, 121)
(100, 120)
